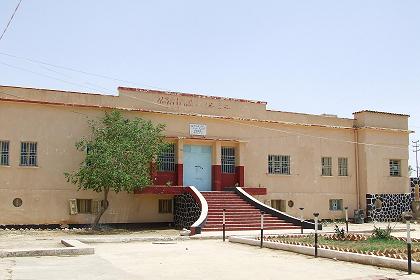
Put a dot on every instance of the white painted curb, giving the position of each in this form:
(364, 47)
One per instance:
(331, 254)
(73, 247)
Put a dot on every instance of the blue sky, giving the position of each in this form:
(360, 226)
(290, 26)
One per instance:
(308, 56)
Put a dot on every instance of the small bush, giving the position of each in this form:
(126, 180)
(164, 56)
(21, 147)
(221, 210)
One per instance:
(340, 233)
(380, 233)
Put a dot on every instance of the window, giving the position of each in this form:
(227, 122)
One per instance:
(4, 152)
(278, 164)
(84, 206)
(279, 205)
(166, 160)
(394, 168)
(28, 154)
(336, 204)
(228, 160)
(343, 167)
(165, 206)
(326, 166)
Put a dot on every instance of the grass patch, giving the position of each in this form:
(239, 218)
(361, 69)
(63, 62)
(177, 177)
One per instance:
(372, 244)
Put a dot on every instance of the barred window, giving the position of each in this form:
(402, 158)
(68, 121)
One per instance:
(166, 160)
(279, 204)
(4, 152)
(84, 206)
(165, 206)
(336, 204)
(278, 164)
(28, 154)
(228, 160)
(326, 166)
(395, 168)
(343, 167)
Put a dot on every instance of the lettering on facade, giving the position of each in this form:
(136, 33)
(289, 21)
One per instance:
(198, 129)
(177, 101)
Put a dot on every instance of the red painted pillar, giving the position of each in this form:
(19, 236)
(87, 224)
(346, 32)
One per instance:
(240, 175)
(216, 172)
(179, 174)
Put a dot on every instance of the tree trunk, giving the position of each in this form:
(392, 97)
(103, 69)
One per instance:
(104, 206)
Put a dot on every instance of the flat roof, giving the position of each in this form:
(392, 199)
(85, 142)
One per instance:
(190, 95)
(379, 112)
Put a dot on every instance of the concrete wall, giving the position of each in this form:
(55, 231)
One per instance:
(56, 120)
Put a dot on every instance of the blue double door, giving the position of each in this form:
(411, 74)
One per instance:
(197, 166)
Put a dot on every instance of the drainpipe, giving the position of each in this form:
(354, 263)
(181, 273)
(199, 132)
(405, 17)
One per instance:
(356, 151)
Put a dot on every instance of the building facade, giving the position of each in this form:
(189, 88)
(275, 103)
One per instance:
(288, 160)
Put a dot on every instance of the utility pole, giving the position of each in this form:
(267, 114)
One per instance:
(416, 150)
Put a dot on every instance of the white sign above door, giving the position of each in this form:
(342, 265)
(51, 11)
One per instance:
(198, 129)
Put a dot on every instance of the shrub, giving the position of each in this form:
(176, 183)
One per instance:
(340, 233)
(380, 233)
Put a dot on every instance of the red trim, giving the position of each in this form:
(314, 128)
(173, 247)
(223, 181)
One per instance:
(163, 177)
(161, 190)
(240, 175)
(228, 180)
(216, 177)
(256, 191)
(180, 174)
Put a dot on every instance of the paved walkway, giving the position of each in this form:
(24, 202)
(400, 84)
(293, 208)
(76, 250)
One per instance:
(189, 259)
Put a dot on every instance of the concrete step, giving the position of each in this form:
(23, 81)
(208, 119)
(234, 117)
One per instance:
(249, 228)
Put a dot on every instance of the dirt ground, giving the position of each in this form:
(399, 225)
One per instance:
(189, 259)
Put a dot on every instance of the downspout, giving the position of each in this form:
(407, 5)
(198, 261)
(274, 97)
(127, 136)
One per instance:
(356, 151)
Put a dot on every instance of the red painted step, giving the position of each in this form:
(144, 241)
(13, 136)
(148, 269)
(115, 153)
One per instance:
(240, 215)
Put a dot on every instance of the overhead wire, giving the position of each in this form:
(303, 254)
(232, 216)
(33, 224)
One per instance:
(10, 20)
(78, 84)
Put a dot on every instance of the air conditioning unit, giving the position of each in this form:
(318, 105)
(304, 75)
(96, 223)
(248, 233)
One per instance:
(73, 206)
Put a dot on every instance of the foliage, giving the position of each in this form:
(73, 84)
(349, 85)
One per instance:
(340, 233)
(119, 153)
(380, 233)
(369, 245)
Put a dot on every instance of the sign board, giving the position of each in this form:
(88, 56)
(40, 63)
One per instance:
(198, 129)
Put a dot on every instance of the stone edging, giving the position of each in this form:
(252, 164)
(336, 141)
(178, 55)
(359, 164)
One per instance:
(331, 254)
(73, 247)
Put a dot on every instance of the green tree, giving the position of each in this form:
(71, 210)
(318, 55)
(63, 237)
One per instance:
(118, 158)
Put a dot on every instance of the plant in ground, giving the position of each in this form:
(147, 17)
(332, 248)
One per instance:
(380, 233)
(340, 233)
(118, 158)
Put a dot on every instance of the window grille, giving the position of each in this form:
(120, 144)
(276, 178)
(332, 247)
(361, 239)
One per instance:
(165, 206)
(394, 168)
(279, 164)
(4, 152)
(166, 160)
(228, 160)
(84, 206)
(336, 204)
(28, 154)
(326, 166)
(343, 167)
(279, 204)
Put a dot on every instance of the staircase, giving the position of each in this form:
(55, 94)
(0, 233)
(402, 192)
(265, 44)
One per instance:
(240, 215)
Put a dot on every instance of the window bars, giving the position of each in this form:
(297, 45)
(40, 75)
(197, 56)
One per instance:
(279, 164)
(228, 160)
(326, 166)
(343, 167)
(4, 152)
(166, 160)
(28, 154)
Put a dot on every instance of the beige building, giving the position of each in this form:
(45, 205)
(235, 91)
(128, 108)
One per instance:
(287, 160)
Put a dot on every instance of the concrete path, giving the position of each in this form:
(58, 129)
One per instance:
(190, 259)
